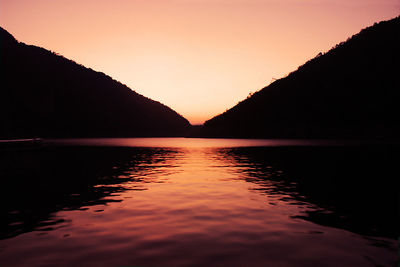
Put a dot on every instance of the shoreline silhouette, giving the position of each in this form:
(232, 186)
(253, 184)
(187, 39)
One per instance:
(348, 92)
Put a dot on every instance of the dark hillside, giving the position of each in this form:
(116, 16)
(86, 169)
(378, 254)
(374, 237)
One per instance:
(352, 91)
(46, 95)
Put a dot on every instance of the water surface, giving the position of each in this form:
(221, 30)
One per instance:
(197, 202)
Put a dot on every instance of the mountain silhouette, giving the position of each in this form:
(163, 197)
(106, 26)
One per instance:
(352, 91)
(46, 95)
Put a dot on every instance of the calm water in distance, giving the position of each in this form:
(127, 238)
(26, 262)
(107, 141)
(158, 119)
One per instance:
(197, 142)
(196, 202)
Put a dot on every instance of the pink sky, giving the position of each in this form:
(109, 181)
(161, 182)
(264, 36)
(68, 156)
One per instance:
(200, 57)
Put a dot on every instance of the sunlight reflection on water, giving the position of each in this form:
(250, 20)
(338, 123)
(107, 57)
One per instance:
(195, 142)
(201, 205)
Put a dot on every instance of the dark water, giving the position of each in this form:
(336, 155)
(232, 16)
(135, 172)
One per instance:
(198, 202)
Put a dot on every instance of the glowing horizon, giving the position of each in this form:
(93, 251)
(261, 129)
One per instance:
(197, 57)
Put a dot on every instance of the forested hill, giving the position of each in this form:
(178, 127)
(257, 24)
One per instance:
(352, 91)
(46, 95)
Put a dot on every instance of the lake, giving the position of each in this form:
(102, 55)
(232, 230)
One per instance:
(198, 202)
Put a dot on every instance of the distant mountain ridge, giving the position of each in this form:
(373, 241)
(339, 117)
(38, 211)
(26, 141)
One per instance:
(46, 95)
(352, 91)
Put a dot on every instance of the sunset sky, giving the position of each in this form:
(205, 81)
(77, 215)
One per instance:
(199, 57)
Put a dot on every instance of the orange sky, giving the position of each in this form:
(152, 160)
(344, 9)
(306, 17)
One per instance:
(200, 57)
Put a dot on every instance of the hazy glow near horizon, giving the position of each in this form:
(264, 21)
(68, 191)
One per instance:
(199, 57)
